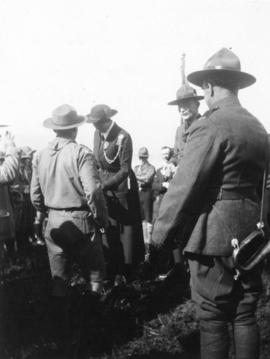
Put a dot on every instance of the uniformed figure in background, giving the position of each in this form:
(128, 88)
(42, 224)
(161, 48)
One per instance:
(25, 212)
(161, 183)
(213, 199)
(8, 171)
(188, 104)
(163, 176)
(65, 181)
(145, 173)
(113, 152)
(2, 157)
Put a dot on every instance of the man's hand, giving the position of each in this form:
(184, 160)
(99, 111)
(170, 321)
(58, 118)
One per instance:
(165, 184)
(38, 225)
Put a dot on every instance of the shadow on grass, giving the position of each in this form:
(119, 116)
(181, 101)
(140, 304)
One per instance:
(26, 330)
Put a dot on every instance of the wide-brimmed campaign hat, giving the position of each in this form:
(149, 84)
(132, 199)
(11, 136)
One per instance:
(223, 65)
(27, 152)
(185, 92)
(143, 152)
(63, 118)
(100, 112)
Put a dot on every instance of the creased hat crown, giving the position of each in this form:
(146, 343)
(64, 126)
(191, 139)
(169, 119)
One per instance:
(64, 117)
(100, 112)
(185, 92)
(224, 65)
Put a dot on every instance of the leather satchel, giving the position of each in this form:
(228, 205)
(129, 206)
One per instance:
(255, 247)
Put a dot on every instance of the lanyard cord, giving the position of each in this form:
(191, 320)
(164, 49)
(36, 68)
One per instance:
(262, 200)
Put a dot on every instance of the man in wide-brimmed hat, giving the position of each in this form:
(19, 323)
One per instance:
(213, 199)
(113, 152)
(65, 182)
(145, 173)
(188, 103)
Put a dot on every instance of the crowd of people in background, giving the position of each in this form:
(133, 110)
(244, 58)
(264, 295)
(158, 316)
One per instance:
(16, 207)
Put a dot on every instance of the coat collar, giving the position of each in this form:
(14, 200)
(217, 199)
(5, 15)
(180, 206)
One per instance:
(114, 132)
(226, 102)
(59, 142)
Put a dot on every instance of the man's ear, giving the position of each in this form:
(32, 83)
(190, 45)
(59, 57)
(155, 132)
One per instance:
(211, 89)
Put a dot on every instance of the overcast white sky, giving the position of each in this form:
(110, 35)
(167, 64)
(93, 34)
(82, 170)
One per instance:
(125, 53)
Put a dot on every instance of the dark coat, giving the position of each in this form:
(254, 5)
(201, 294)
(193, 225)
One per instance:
(180, 141)
(158, 189)
(226, 149)
(120, 186)
(145, 175)
(8, 171)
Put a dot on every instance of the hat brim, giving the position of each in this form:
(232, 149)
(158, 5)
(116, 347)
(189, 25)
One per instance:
(179, 100)
(93, 119)
(28, 155)
(240, 78)
(48, 123)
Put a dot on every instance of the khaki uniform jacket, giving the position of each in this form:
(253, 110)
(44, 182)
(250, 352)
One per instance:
(227, 149)
(65, 177)
(145, 174)
(8, 172)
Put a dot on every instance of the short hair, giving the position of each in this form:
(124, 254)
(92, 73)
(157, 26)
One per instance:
(66, 133)
(224, 82)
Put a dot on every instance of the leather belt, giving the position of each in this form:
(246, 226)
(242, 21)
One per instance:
(111, 170)
(70, 209)
(234, 194)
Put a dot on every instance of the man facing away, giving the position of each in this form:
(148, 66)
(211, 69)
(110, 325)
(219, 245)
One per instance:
(213, 199)
(65, 181)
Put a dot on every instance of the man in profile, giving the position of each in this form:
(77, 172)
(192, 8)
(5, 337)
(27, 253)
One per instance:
(213, 199)
(113, 152)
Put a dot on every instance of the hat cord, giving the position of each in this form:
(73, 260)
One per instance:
(109, 160)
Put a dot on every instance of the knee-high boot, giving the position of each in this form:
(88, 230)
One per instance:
(214, 340)
(246, 341)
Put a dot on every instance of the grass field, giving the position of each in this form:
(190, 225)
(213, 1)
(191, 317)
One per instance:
(146, 319)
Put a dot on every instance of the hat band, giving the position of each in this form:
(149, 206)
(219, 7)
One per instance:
(219, 67)
(66, 120)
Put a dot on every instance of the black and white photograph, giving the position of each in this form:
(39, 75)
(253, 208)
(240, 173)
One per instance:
(134, 179)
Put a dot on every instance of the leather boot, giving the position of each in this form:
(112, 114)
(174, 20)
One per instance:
(246, 341)
(214, 340)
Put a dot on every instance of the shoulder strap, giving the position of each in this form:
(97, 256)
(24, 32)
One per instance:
(262, 199)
